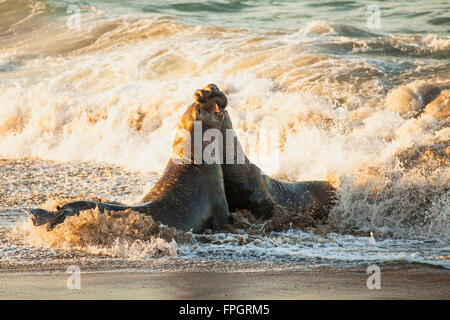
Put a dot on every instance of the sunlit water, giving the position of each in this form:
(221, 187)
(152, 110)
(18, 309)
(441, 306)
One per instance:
(91, 112)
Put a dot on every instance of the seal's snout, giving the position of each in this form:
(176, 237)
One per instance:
(215, 110)
(201, 96)
(211, 94)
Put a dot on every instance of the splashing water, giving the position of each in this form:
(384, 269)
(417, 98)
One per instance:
(92, 112)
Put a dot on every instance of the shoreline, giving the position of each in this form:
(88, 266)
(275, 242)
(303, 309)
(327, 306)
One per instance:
(397, 282)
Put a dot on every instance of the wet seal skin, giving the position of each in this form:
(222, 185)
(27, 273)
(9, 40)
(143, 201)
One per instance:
(247, 187)
(189, 196)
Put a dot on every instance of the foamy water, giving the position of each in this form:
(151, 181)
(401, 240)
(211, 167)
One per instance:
(96, 110)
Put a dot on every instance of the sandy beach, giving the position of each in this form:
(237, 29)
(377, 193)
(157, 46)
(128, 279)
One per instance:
(400, 282)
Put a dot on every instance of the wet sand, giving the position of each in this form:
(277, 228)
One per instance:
(397, 282)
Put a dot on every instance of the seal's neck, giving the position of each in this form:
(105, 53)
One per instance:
(197, 144)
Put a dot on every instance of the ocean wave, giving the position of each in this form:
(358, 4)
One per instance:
(347, 39)
(334, 29)
(200, 6)
(113, 93)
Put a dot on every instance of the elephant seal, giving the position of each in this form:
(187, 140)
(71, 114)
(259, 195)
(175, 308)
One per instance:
(247, 187)
(190, 195)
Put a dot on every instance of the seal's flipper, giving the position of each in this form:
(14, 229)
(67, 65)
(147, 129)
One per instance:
(40, 216)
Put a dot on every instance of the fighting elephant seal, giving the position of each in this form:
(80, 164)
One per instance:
(189, 195)
(247, 187)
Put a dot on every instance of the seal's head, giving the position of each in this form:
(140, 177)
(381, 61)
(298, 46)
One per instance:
(211, 93)
(209, 108)
(210, 105)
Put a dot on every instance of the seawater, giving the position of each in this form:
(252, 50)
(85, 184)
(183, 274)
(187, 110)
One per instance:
(89, 110)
